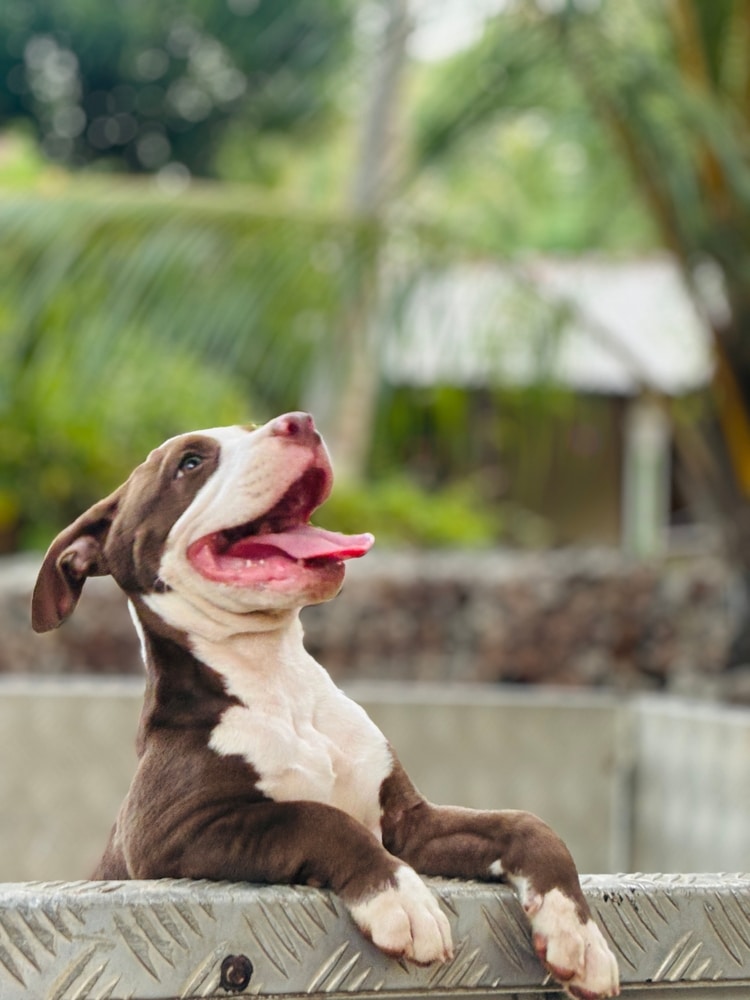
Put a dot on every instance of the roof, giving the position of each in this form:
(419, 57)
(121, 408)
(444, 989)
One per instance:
(588, 324)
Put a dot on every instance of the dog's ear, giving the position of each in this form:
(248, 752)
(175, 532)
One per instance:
(76, 553)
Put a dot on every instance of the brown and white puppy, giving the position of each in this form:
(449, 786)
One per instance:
(252, 763)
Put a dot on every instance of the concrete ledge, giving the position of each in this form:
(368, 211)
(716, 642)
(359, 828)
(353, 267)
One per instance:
(159, 940)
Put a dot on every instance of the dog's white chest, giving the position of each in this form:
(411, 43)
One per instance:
(307, 742)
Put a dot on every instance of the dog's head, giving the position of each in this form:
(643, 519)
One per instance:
(213, 522)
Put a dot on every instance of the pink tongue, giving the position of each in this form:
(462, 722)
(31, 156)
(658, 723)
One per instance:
(308, 542)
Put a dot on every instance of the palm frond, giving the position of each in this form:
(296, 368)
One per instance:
(129, 316)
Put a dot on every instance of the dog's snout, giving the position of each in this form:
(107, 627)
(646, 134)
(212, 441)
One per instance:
(300, 427)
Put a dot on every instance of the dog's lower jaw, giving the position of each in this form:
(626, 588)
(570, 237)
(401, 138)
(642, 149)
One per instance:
(220, 611)
(200, 620)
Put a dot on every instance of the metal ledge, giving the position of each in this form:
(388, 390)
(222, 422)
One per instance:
(168, 939)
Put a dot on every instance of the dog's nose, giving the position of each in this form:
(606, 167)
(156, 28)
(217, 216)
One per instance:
(298, 426)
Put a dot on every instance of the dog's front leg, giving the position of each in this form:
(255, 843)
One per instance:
(516, 847)
(304, 843)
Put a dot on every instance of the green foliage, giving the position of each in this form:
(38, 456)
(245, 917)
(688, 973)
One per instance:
(137, 85)
(127, 314)
(126, 317)
(244, 287)
(21, 163)
(508, 155)
(75, 431)
(399, 512)
(535, 183)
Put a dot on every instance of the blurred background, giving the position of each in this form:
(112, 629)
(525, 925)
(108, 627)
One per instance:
(501, 250)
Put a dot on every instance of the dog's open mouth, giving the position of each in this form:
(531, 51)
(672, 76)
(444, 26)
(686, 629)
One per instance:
(267, 548)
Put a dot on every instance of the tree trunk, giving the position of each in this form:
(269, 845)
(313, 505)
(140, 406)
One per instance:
(345, 390)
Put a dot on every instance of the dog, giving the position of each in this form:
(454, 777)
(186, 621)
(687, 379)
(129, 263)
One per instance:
(253, 765)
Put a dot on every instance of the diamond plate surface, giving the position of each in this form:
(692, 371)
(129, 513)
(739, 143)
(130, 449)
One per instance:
(168, 939)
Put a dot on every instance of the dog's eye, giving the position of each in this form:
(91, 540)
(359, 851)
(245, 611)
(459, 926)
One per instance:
(188, 463)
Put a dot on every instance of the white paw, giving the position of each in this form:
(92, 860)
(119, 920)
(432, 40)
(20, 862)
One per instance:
(406, 920)
(575, 953)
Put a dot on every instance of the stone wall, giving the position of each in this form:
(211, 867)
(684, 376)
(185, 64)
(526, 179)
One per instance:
(98, 638)
(565, 618)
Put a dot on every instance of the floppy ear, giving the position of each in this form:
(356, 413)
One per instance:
(76, 553)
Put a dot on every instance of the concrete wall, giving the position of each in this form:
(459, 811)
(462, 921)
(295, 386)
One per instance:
(627, 784)
(68, 745)
(67, 759)
(691, 787)
(555, 753)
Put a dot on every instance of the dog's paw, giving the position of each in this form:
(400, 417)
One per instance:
(575, 953)
(405, 920)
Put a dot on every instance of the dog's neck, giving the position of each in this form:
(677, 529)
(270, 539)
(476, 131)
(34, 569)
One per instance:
(192, 678)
